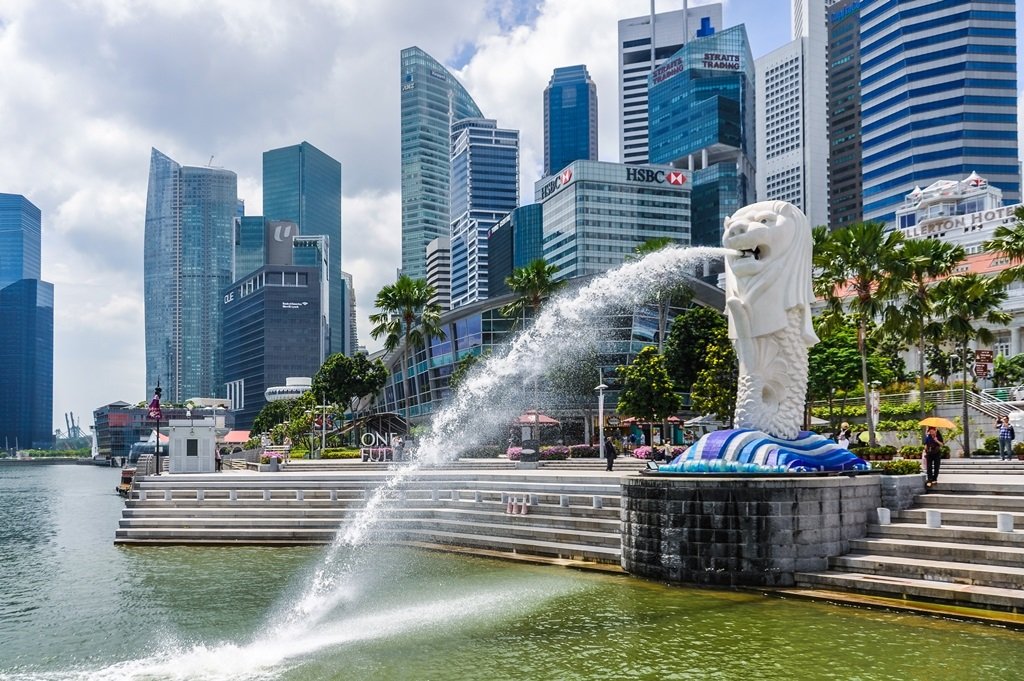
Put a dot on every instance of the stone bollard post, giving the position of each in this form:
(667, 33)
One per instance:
(533, 500)
(266, 495)
(200, 494)
(1004, 522)
(933, 518)
(167, 495)
(598, 502)
(563, 500)
(884, 516)
(142, 495)
(504, 497)
(232, 495)
(334, 495)
(523, 507)
(511, 507)
(477, 496)
(434, 494)
(300, 495)
(401, 496)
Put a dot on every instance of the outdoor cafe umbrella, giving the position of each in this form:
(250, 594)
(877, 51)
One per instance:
(532, 417)
(936, 421)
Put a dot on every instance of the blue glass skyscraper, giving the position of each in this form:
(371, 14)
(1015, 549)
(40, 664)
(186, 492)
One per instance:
(431, 100)
(516, 241)
(484, 189)
(570, 118)
(302, 184)
(189, 238)
(938, 97)
(701, 106)
(26, 329)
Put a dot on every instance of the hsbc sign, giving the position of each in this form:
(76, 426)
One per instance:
(650, 175)
(562, 179)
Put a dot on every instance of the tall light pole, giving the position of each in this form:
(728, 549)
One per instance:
(600, 416)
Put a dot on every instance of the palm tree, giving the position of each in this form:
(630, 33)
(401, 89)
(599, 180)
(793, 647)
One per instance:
(912, 318)
(406, 314)
(1009, 240)
(663, 298)
(963, 300)
(858, 268)
(533, 283)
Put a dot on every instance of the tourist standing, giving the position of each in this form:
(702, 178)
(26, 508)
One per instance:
(933, 455)
(1006, 437)
(843, 439)
(609, 452)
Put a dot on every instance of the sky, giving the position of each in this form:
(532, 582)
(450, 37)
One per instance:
(87, 87)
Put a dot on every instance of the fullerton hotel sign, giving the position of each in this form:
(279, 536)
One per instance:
(944, 224)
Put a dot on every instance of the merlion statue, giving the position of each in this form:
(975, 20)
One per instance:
(768, 301)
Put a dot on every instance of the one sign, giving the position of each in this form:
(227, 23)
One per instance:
(613, 420)
(981, 369)
(983, 356)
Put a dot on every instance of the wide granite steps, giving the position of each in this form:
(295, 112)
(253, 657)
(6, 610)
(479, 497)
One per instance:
(956, 594)
(952, 552)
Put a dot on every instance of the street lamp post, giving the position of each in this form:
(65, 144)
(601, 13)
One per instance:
(952, 358)
(156, 414)
(600, 416)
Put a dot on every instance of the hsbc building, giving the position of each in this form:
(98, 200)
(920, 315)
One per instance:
(596, 213)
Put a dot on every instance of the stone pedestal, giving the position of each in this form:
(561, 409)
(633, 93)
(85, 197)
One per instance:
(741, 530)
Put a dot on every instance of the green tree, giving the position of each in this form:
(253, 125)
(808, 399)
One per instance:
(967, 301)
(533, 284)
(342, 378)
(1008, 370)
(686, 347)
(714, 391)
(833, 366)
(405, 315)
(1009, 241)
(462, 369)
(647, 391)
(271, 415)
(941, 363)
(922, 262)
(859, 273)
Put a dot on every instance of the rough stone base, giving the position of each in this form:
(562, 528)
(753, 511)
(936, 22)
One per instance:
(743, 530)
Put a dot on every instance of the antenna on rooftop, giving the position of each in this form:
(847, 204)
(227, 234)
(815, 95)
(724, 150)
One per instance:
(209, 164)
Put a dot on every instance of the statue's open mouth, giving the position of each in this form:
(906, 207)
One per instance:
(747, 252)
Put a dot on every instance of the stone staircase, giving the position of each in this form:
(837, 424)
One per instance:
(570, 515)
(964, 561)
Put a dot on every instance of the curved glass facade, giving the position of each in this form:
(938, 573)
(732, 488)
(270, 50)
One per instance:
(431, 99)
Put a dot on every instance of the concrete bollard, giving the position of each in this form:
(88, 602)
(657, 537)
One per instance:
(167, 495)
(334, 495)
(1004, 522)
(266, 495)
(477, 496)
(884, 516)
(142, 495)
(455, 495)
(563, 500)
(434, 495)
(232, 495)
(504, 497)
(598, 502)
(200, 494)
(533, 500)
(300, 495)
(933, 518)
(523, 507)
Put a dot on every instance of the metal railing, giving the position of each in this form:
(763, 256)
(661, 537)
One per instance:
(983, 402)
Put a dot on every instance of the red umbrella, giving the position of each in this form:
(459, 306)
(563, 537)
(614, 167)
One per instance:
(535, 417)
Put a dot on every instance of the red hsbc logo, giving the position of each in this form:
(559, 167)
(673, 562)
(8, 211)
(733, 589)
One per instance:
(566, 176)
(641, 174)
(675, 178)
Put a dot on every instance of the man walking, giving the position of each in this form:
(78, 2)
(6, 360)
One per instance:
(1006, 437)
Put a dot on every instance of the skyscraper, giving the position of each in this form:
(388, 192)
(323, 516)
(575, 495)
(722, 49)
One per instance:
(26, 329)
(302, 184)
(351, 337)
(431, 100)
(439, 271)
(938, 97)
(845, 197)
(702, 119)
(570, 118)
(250, 233)
(792, 139)
(516, 241)
(189, 238)
(484, 188)
(646, 42)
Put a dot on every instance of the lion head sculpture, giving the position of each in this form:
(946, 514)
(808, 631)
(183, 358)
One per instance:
(771, 271)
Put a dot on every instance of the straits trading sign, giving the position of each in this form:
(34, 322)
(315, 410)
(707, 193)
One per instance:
(720, 61)
(943, 224)
(670, 68)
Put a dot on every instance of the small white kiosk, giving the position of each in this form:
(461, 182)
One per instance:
(192, 446)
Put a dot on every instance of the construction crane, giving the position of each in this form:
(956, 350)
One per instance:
(74, 429)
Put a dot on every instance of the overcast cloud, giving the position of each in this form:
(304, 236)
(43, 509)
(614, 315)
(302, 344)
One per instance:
(88, 86)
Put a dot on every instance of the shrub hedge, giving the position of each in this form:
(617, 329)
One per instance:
(898, 467)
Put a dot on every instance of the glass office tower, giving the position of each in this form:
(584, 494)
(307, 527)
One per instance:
(570, 118)
(26, 330)
(516, 241)
(189, 239)
(302, 184)
(938, 97)
(484, 189)
(702, 119)
(431, 100)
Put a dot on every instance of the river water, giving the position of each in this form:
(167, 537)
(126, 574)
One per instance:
(74, 606)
